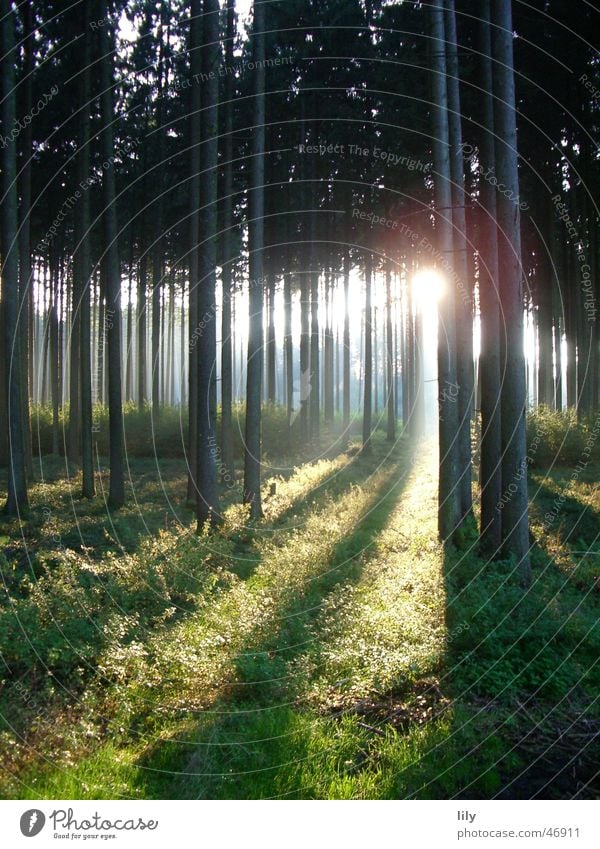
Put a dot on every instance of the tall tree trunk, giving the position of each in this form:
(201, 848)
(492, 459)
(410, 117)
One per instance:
(489, 358)
(226, 321)
(346, 369)
(194, 128)
(141, 321)
(25, 270)
(252, 448)
(208, 500)
(158, 361)
(83, 269)
(329, 369)
(112, 271)
(129, 337)
(315, 381)
(463, 304)
(515, 526)
(54, 353)
(271, 373)
(449, 507)
(368, 381)
(288, 347)
(375, 361)
(17, 482)
(389, 342)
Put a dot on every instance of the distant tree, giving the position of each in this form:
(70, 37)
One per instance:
(368, 378)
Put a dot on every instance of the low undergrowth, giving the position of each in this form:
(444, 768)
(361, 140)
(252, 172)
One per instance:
(332, 650)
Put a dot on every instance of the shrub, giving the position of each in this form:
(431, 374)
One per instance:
(556, 436)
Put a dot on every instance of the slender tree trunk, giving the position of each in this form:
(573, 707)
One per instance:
(288, 346)
(83, 269)
(489, 358)
(112, 270)
(226, 320)
(271, 373)
(405, 356)
(129, 337)
(195, 49)
(17, 483)
(515, 526)
(368, 384)
(25, 275)
(449, 506)
(463, 303)
(141, 321)
(208, 499)
(158, 361)
(252, 449)
(389, 340)
(346, 369)
(3, 387)
(315, 382)
(54, 354)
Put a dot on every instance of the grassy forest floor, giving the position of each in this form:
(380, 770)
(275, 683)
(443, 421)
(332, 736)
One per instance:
(331, 651)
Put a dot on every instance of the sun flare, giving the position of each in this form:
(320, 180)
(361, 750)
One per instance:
(428, 288)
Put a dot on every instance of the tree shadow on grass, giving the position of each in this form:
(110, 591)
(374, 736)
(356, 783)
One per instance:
(356, 472)
(571, 519)
(521, 670)
(256, 725)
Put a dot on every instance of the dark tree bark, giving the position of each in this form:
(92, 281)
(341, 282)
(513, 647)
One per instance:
(226, 321)
(515, 525)
(194, 129)
(83, 269)
(54, 351)
(141, 319)
(489, 359)
(158, 361)
(25, 275)
(112, 272)
(368, 383)
(315, 377)
(271, 374)
(389, 347)
(17, 483)
(328, 350)
(129, 323)
(463, 303)
(449, 507)
(252, 448)
(288, 348)
(346, 343)
(208, 499)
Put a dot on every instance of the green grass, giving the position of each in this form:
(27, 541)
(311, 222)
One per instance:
(331, 650)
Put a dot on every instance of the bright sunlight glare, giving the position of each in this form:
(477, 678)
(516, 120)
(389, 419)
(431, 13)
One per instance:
(428, 288)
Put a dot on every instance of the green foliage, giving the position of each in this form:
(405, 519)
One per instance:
(333, 650)
(534, 643)
(170, 438)
(558, 437)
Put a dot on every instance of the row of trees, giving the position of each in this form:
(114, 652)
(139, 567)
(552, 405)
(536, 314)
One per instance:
(182, 162)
